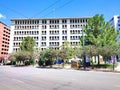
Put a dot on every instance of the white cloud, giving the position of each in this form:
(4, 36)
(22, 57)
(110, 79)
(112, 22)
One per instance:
(2, 16)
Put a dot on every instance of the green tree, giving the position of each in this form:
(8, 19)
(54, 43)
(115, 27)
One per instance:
(47, 57)
(27, 44)
(99, 33)
(93, 28)
(67, 51)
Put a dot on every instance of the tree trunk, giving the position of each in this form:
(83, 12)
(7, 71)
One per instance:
(84, 62)
(51, 63)
(98, 62)
(92, 63)
(105, 61)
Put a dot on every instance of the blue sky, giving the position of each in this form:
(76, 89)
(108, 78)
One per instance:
(10, 9)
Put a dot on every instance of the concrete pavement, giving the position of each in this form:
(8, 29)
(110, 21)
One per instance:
(31, 78)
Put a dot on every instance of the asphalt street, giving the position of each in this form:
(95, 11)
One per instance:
(31, 78)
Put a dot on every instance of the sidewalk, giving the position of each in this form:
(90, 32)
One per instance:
(118, 67)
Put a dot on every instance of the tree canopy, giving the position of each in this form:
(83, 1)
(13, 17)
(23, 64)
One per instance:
(98, 32)
(100, 35)
(27, 44)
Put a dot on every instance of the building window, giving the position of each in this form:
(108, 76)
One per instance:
(54, 21)
(75, 37)
(43, 32)
(54, 26)
(43, 38)
(64, 31)
(53, 43)
(43, 43)
(54, 38)
(64, 26)
(64, 21)
(54, 32)
(64, 37)
(44, 26)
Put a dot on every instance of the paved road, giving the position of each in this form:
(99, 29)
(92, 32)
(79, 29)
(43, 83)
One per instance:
(30, 78)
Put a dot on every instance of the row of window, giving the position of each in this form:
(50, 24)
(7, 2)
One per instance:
(50, 26)
(54, 38)
(76, 26)
(5, 53)
(50, 32)
(63, 26)
(6, 39)
(78, 20)
(5, 42)
(43, 38)
(17, 44)
(57, 43)
(6, 46)
(54, 26)
(63, 38)
(54, 21)
(75, 37)
(26, 22)
(51, 21)
(5, 35)
(4, 49)
(50, 43)
(6, 32)
(74, 43)
(27, 27)
(54, 32)
(26, 32)
(56, 48)
(63, 32)
(53, 43)
(75, 31)
(7, 29)
(22, 38)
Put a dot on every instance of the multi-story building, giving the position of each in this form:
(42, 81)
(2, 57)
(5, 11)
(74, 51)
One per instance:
(115, 22)
(50, 32)
(4, 40)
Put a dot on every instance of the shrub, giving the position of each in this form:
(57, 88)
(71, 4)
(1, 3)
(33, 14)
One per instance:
(24, 57)
(13, 62)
